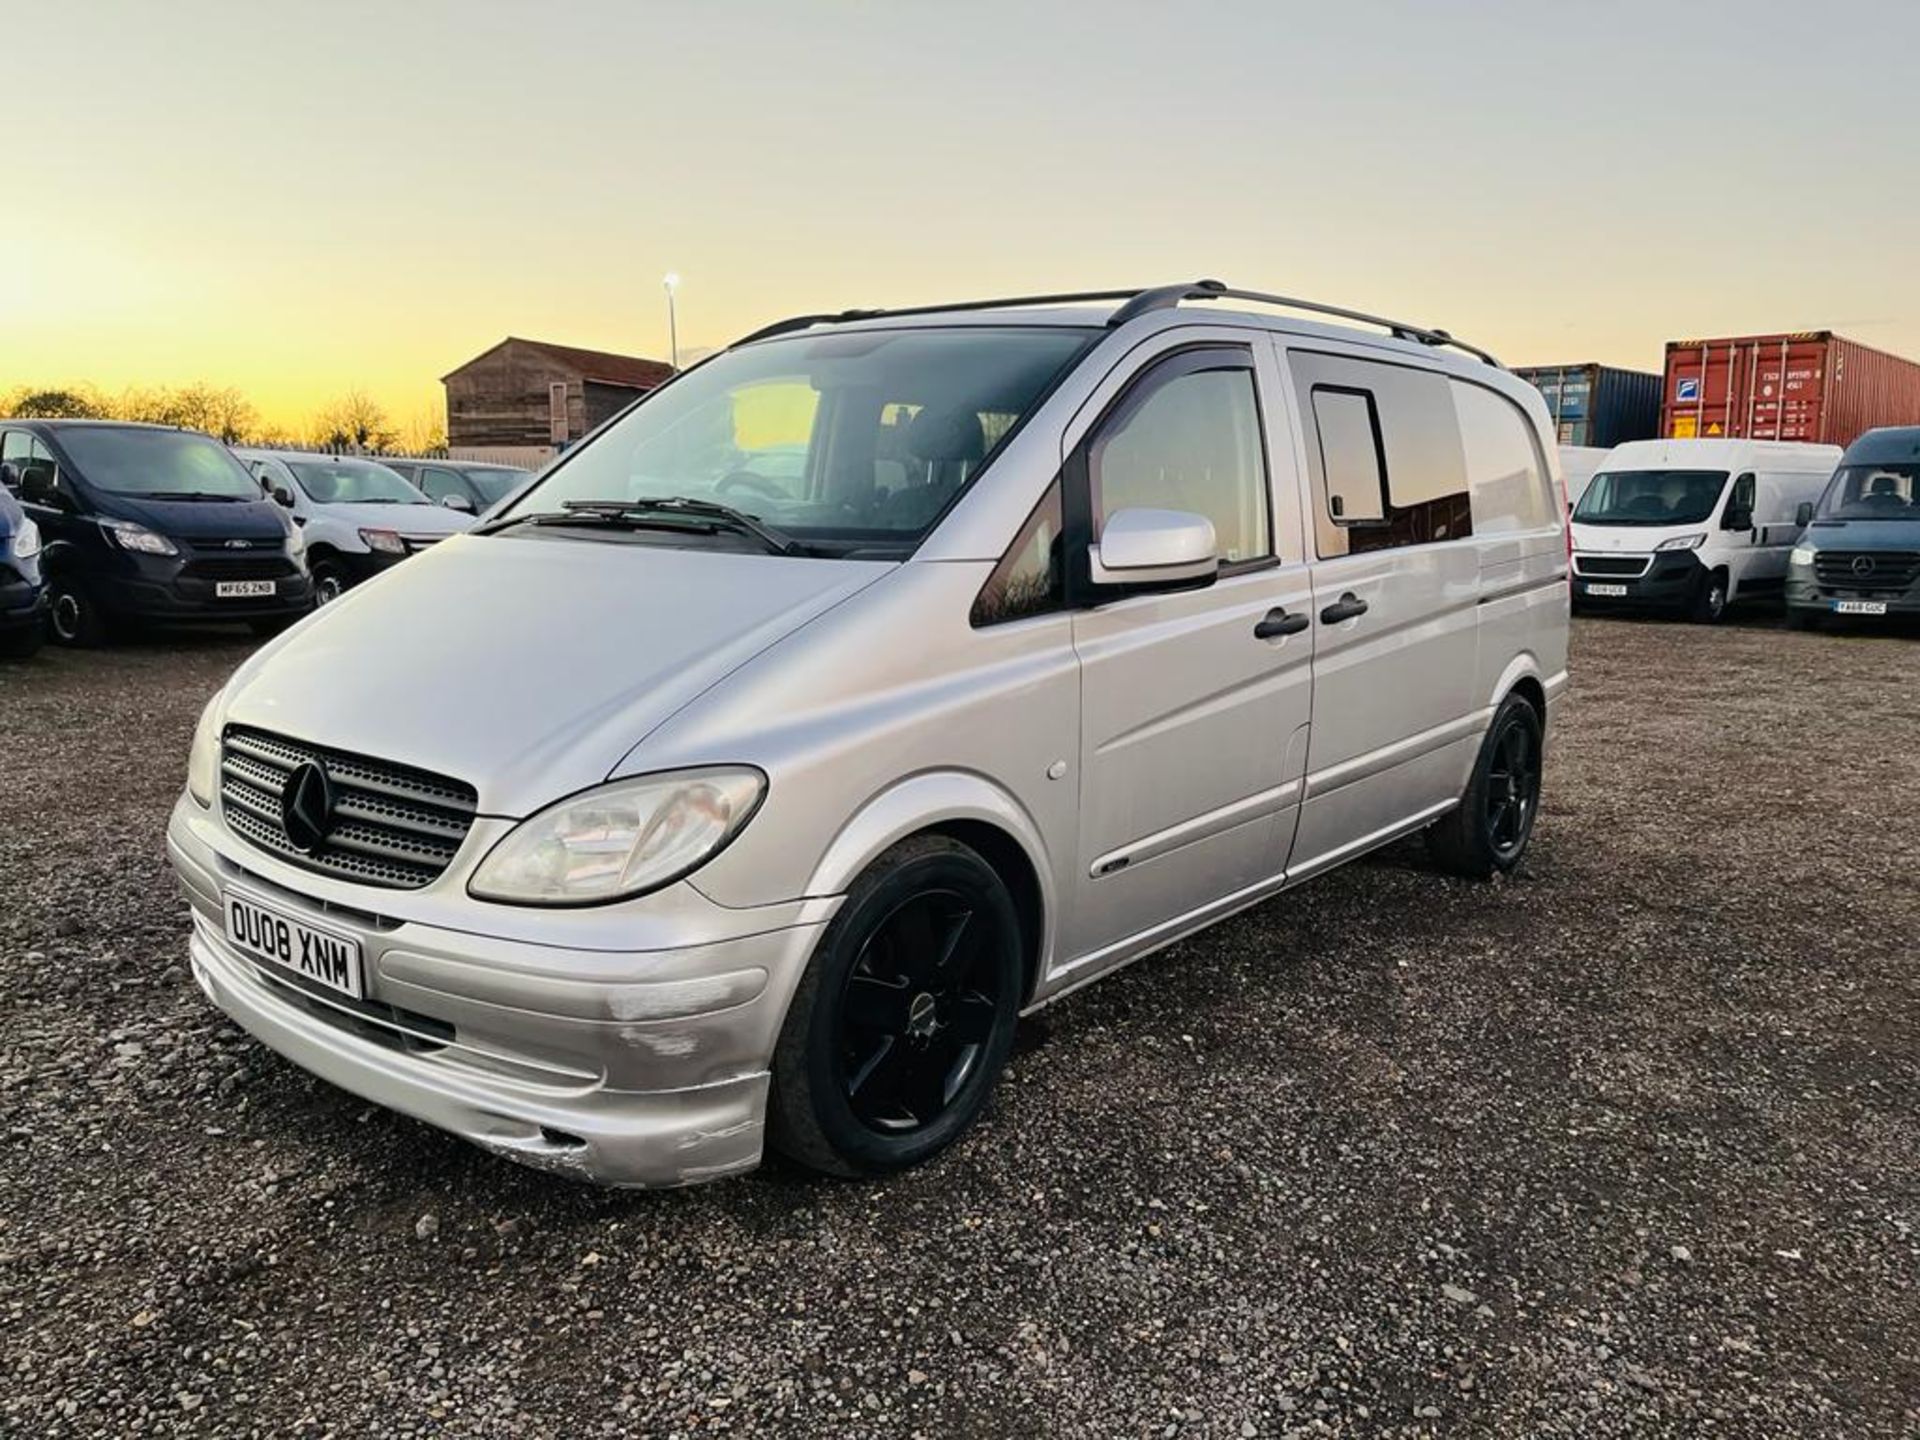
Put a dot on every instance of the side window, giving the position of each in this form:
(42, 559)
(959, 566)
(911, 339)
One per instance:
(1188, 438)
(1386, 455)
(14, 449)
(1350, 455)
(1031, 577)
(439, 483)
(1506, 473)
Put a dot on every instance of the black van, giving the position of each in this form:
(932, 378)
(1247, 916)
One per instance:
(150, 523)
(23, 594)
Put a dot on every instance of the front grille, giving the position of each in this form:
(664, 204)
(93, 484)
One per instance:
(1866, 569)
(1610, 564)
(258, 567)
(391, 825)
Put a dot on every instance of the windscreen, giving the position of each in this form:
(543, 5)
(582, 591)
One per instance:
(1650, 497)
(157, 464)
(353, 482)
(495, 485)
(1873, 492)
(846, 441)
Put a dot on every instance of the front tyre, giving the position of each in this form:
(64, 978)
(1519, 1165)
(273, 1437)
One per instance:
(73, 616)
(330, 581)
(905, 1016)
(1489, 829)
(1709, 602)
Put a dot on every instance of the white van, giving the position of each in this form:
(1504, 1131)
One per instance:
(357, 516)
(1694, 525)
(876, 680)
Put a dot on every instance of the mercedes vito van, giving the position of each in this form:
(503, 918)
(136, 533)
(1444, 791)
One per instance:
(753, 801)
(1861, 555)
(153, 524)
(1691, 526)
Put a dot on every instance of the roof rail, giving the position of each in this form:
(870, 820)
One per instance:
(803, 322)
(1166, 297)
(1133, 304)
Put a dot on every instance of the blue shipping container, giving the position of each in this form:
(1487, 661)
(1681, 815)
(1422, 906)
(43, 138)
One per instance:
(1597, 404)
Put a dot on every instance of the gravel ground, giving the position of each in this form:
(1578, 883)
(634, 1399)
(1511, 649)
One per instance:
(1623, 1145)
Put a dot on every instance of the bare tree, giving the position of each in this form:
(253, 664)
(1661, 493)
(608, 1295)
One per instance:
(221, 411)
(354, 421)
(56, 404)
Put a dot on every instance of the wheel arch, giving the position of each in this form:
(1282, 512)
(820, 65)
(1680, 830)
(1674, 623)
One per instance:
(977, 812)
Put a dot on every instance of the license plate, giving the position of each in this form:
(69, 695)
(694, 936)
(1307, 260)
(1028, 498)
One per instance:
(242, 589)
(323, 956)
(1859, 607)
(1604, 590)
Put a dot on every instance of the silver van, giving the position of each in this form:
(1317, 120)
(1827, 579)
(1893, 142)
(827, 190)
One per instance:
(883, 677)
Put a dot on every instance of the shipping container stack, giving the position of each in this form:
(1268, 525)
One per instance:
(1597, 405)
(1815, 386)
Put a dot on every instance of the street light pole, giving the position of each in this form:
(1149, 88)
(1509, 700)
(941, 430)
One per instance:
(672, 283)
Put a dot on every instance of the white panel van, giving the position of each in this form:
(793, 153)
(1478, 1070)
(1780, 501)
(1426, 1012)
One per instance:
(1692, 525)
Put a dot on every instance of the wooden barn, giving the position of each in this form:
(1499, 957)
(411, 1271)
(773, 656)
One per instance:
(528, 393)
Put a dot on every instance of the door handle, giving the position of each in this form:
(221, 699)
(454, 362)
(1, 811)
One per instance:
(1347, 607)
(1277, 622)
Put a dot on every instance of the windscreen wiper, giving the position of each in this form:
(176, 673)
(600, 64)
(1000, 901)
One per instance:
(188, 495)
(676, 512)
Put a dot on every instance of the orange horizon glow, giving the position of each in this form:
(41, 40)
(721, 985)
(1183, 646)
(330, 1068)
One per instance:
(299, 203)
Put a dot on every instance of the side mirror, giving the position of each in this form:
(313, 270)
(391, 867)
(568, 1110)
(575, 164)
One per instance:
(38, 486)
(1737, 520)
(282, 496)
(456, 501)
(1154, 548)
(10, 476)
(1803, 516)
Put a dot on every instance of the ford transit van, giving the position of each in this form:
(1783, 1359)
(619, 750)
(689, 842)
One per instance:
(147, 523)
(1861, 555)
(880, 678)
(1691, 526)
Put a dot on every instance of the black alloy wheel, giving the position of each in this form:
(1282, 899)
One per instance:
(72, 616)
(917, 1011)
(1512, 791)
(905, 1016)
(1488, 830)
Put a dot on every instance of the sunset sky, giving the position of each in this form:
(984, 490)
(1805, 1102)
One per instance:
(297, 199)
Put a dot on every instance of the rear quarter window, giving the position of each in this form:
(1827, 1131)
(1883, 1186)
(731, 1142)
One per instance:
(1506, 473)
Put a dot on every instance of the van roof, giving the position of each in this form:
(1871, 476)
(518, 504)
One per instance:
(1720, 454)
(1888, 445)
(1124, 307)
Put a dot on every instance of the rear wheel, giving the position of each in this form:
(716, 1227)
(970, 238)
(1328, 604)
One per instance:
(904, 1017)
(1709, 599)
(1489, 829)
(73, 617)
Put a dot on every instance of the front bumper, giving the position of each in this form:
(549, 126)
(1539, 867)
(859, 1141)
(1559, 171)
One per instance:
(159, 589)
(1809, 596)
(1670, 581)
(23, 603)
(641, 1068)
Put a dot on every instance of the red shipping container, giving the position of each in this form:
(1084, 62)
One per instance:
(1816, 386)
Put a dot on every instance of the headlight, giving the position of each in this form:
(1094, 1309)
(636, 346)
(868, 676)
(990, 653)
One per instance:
(387, 542)
(203, 761)
(620, 840)
(1683, 542)
(1800, 555)
(137, 537)
(26, 540)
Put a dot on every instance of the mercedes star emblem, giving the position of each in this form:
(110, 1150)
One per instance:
(306, 807)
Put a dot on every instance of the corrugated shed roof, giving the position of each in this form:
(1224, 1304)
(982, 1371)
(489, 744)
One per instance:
(600, 365)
